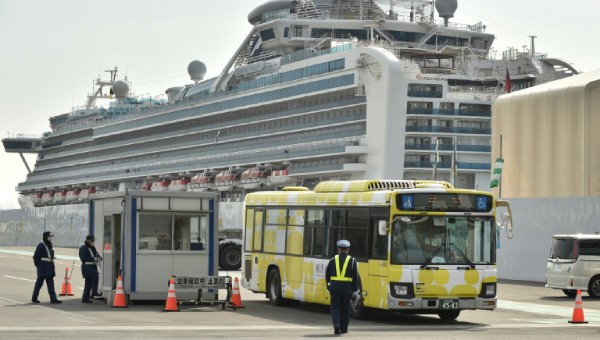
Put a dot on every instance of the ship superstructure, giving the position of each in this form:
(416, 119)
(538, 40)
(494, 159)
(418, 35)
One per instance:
(327, 89)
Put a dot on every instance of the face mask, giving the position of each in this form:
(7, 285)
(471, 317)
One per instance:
(49, 238)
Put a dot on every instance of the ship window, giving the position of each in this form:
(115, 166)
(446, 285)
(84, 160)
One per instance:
(425, 90)
(286, 32)
(267, 34)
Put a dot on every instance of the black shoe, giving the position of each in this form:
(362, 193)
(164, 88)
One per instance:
(35, 300)
(336, 330)
(55, 301)
(344, 332)
(86, 301)
(97, 296)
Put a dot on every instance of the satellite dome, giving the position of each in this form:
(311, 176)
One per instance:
(120, 89)
(196, 70)
(446, 8)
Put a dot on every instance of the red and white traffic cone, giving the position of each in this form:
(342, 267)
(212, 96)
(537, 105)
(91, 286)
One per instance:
(66, 286)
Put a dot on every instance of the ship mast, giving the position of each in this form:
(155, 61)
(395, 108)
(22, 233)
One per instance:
(98, 85)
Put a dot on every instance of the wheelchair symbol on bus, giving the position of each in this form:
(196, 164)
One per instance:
(482, 203)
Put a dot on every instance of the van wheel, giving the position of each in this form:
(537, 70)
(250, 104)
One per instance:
(231, 257)
(594, 287)
(275, 297)
(449, 315)
(570, 292)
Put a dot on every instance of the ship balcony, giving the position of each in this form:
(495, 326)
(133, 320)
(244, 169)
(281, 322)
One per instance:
(445, 129)
(449, 147)
(322, 168)
(472, 167)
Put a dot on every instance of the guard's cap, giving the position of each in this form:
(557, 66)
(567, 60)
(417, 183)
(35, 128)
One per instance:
(343, 244)
(47, 234)
(90, 238)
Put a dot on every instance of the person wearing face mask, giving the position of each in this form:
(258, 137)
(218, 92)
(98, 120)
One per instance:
(89, 268)
(43, 258)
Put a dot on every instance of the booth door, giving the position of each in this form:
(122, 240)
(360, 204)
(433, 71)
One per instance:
(111, 251)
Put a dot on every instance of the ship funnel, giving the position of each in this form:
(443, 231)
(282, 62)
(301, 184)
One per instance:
(196, 70)
(446, 9)
(173, 93)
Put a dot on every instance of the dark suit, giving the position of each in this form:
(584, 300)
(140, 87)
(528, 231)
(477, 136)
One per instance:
(89, 269)
(43, 259)
(341, 291)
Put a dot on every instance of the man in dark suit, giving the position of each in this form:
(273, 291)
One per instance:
(43, 258)
(342, 281)
(89, 268)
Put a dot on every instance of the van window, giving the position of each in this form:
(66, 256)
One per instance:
(562, 249)
(589, 247)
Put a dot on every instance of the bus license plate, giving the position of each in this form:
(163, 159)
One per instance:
(448, 304)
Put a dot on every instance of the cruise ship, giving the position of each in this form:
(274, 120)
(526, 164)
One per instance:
(317, 90)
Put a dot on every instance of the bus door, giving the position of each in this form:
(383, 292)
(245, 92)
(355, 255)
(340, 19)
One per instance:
(378, 281)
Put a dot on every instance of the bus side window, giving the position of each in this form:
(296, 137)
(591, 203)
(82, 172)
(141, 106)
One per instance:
(379, 243)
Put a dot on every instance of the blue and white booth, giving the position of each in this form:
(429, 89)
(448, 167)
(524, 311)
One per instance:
(147, 237)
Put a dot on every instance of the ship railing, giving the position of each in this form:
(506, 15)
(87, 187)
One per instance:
(345, 103)
(24, 135)
(473, 89)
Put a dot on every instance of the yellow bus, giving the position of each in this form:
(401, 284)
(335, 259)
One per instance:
(422, 246)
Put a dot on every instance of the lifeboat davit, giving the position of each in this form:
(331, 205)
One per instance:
(280, 177)
(202, 181)
(254, 178)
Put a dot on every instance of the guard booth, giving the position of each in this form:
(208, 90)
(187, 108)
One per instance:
(150, 236)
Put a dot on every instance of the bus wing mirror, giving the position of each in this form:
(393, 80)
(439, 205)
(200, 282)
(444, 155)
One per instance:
(383, 227)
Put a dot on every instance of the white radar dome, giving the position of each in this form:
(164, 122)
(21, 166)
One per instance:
(446, 8)
(196, 70)
(120, 89)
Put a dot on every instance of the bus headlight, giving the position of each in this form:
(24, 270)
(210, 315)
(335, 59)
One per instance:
(488, 290)
(402, 290)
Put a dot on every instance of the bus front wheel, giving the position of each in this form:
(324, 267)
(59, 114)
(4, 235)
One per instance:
(275, 297)
(449, 315)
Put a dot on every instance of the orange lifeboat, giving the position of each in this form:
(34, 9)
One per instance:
(280, 177)
(60, 196)
(36, 198)
(254, 178)
(48, 197)
(162, 185)
(85, 193)
(225, 180)
(203, 181)
(181, 184)
(73, 195)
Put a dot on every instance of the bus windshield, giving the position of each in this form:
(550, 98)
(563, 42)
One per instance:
(426, 240)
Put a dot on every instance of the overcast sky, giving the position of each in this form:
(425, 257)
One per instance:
(51, 51)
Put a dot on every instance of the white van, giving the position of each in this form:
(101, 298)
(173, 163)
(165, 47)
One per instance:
(574, 263)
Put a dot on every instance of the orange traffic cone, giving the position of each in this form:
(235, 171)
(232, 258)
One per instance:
(66, 286)
(578, 310)
(236, 299)
(119, 301)
(171, 304)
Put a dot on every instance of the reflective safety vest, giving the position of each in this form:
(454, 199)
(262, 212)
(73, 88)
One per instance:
(341, 276)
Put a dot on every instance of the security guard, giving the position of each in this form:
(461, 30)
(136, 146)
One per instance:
(342, 281)
(89, 268)
(43, 258)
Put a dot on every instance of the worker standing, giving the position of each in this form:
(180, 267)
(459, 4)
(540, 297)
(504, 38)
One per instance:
(43, 258)
(89, 267)
(342, 281)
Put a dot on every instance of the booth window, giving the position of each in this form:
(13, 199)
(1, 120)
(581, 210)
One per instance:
(173, 232)
(156, 232)
(190, 232)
